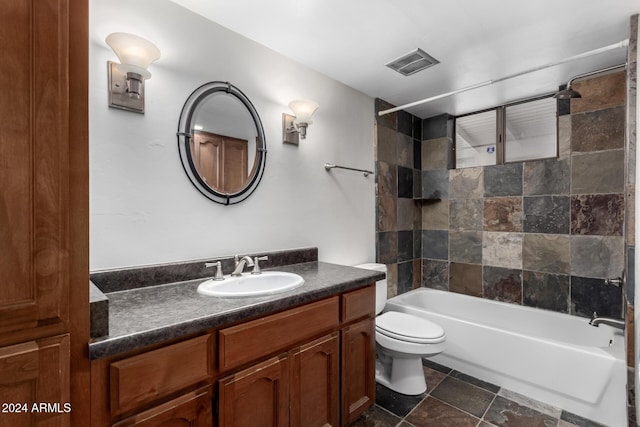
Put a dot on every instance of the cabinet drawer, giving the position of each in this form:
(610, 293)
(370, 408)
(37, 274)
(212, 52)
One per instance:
(141, 379)
(252, 340)
(358, 304)
(193, 408)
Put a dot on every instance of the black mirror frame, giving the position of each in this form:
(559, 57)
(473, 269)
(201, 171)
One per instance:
(185, 129)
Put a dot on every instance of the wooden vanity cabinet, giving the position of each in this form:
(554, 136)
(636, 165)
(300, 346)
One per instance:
(315, 383)
(300, 388)
(358, 352)
(278, 392)
(308, 366)
(358, 369)
(331, 378)
(256, 339)
(138, 380)
(257, 396)
(165, 386)
(192, 410)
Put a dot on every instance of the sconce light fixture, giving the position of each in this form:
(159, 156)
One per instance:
(292, 126)
(126, 79)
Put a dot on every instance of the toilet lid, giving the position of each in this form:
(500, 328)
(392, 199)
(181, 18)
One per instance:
(407, 327)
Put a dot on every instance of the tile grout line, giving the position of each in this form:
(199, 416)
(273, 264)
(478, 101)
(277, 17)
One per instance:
(456, 408)
(388, 411)
(429, 390)
(415, 406)
(481, 419)
(495, 395)
(450, 374)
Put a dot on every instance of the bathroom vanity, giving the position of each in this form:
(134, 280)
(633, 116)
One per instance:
(300, 358)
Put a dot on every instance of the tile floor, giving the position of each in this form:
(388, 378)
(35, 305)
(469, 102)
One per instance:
(454, 399)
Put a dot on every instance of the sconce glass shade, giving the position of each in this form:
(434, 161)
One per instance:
(303, 110)
(134, 52)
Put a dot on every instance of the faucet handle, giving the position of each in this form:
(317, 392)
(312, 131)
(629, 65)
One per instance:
(615, 281)
(256, 265)
(218, 265)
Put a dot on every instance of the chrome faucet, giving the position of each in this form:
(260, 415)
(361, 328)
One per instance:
(218, 266)
(596, 321)
(240, 263)
(256, 264)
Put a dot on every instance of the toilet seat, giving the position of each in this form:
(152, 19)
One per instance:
(409, 328)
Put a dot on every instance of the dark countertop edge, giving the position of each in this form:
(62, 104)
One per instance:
(122, 344)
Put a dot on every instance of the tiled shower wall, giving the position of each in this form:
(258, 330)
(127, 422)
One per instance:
(398, 217)
(541, 233)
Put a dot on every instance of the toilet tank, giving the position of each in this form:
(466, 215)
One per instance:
(381, 285)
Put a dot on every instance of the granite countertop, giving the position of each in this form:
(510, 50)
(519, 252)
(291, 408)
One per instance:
(150, 315)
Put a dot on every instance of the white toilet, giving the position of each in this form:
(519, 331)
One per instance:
(402, 340)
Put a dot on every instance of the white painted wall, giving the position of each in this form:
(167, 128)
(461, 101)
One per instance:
(144, 210)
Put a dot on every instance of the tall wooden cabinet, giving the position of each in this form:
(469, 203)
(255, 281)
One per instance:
(43, 209)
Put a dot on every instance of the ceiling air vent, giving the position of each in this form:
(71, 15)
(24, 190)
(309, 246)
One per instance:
(412, 62)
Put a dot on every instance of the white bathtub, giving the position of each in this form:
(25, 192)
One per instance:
(552, 357)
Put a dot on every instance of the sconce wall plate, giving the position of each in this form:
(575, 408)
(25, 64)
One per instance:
(118, 96)
(290, 133)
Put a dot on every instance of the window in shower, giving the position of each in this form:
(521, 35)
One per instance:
(514, 132)
(530, 130)
(476, 139)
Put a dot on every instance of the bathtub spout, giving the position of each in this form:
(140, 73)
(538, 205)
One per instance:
(596, 321)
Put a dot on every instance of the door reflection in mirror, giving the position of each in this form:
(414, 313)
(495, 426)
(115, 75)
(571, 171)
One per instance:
(221, 143)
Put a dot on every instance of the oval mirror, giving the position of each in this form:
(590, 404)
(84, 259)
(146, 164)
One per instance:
(221, 143)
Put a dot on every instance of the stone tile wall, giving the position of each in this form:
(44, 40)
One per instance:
(541, 233)
(398, 217)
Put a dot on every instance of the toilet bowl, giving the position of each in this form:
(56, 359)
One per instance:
(402, 340)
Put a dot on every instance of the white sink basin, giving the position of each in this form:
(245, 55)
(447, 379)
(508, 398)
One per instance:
(250, 285)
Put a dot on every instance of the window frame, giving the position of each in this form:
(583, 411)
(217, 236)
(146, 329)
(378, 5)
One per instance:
(501, 131)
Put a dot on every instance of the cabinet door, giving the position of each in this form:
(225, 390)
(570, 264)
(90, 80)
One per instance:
(315, 383)
(34, 163)
(257, 396)
(358, 369)
(235, 164)
(190, 410)
(220, 160)
(33, 374)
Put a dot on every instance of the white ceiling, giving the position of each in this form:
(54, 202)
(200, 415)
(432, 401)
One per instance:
(475, 41)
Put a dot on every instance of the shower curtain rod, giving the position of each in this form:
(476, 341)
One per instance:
(618, 45)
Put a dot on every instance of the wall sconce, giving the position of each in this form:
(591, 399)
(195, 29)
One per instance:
(126, 79)
(292, 126)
